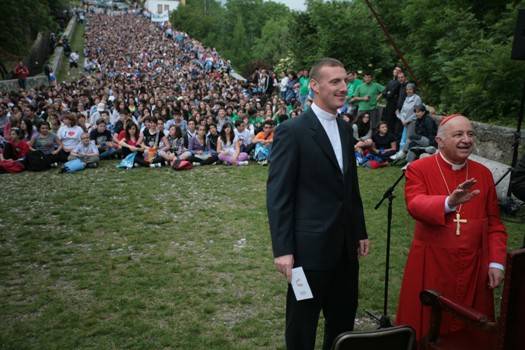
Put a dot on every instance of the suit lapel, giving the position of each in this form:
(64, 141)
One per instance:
(345, 143)
(321, 138)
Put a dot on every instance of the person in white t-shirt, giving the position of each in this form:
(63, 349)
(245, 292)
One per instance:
(69, 133)
(244, 135)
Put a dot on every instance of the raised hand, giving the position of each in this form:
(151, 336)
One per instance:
(462, 193)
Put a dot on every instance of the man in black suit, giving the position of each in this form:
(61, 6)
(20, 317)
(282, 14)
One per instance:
(315, 211)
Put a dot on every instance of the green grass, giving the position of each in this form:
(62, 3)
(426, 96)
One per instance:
(157, 259)
(77, 44)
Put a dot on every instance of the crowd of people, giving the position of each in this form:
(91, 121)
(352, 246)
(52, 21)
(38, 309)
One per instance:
(156, 93)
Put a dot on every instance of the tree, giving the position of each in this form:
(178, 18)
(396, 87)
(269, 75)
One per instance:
(273, 43)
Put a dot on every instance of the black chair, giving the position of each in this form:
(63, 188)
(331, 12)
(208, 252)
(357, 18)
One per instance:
(394, 338)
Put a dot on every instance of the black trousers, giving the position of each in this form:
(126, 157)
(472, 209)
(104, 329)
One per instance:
(335, 292)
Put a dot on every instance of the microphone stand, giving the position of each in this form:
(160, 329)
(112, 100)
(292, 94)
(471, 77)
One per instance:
(508, 204)
(384, 320)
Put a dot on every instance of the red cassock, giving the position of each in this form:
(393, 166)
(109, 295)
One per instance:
(439, 259)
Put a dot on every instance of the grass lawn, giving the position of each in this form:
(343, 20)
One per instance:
(157, 259)
(77, 44)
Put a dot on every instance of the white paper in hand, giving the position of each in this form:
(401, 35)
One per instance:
(300, 285)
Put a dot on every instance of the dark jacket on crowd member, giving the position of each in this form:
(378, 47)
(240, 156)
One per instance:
(426, 127)
(517, 181)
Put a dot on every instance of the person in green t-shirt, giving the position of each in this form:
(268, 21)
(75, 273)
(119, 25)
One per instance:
(304, 86)
(366, 96)
(352, 85)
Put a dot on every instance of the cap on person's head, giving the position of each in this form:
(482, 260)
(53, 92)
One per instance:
(411, 86)
(101, 106)
(449, 118)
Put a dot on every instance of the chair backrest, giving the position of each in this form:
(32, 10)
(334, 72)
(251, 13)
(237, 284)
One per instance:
(512, 316)
(394, 338)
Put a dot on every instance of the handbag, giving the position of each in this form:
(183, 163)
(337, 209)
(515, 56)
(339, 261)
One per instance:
(182, 165)
(128, 161)
(11, 166)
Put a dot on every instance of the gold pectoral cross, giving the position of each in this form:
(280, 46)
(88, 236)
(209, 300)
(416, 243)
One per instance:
(458, 220)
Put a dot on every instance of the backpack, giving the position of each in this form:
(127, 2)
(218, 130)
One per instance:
(182, 165)
(36, 161)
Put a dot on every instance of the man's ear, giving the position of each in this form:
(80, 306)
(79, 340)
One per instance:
(314, 85)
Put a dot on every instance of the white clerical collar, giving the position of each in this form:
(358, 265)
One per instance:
(455, 167)
(321, 113)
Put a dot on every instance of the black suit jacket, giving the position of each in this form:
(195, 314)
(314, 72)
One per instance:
(314, 210)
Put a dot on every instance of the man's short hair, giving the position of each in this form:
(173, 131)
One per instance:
(268, 122)
(324, 62)
(101, 121)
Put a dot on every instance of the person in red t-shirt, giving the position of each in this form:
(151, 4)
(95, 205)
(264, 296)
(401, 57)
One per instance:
(11, 159)
(21, 72)
(17, 148)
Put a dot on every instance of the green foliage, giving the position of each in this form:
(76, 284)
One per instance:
(243, 31)
(273, 42)
(21, 20)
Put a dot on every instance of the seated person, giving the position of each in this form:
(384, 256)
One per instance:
(174, 149)
(69, 134)
(212, 139)
(86, 151)
(178, 121)
(128, 140)
(384, 142)
(229, 147)
(124, 119)
(362, 133)
(244, 135)
(16, 147)
(199, 148)
(15, 151)
(103, 140)
(191, 131)
(150, 138)
(46, 143)
(422, 141)
(263, 143)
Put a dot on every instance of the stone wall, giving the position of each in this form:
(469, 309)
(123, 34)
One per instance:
(55, 62)
(495, 142)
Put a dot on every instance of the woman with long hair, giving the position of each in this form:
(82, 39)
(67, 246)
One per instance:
(128, 140)
(229, 147)
(174, 149)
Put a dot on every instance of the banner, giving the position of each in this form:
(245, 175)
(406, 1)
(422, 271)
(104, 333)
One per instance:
(160, 18)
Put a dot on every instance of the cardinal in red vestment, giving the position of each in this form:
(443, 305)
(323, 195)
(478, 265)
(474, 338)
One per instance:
(459, 244)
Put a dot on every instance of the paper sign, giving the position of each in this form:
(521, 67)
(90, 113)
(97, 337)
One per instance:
(300, 285)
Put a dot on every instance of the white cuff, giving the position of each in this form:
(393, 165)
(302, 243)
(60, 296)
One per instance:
(494, 265)
(448, 209)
